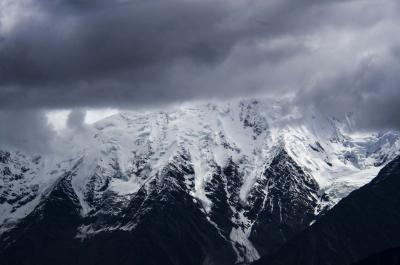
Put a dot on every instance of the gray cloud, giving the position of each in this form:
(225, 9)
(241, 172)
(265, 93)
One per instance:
(25, 130)
(370, 92)
(76, 119)
(334, 55)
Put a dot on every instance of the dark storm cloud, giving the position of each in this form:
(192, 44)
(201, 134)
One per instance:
(98, 53)
(107, 52)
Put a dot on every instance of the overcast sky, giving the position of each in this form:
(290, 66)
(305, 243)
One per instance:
(339, 56)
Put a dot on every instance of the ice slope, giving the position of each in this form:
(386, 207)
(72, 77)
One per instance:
(124, 153)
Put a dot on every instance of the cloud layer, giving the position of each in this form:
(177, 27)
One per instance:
(338, 55)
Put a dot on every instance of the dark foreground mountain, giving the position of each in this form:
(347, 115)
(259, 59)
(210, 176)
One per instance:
(387, 257)
(362, 224)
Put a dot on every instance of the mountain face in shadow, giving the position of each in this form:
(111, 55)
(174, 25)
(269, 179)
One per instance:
(162, 223)
(163, 226)
(364, 223)
(386, 257)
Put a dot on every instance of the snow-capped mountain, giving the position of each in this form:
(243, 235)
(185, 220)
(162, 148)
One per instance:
(232, 180)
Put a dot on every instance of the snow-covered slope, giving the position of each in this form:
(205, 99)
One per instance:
(246, 164)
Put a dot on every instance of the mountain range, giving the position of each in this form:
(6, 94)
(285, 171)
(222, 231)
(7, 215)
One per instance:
(206, 183)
